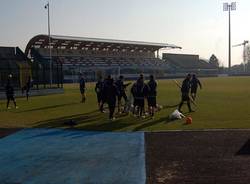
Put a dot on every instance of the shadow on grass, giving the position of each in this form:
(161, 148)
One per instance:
(92, 121)
(62, 121)
(107, 125)
(96, 121)
(170, 106)
(8, 131)
(153, 122)
(48, 107)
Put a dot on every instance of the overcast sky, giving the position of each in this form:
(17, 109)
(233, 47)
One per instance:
(199, 26)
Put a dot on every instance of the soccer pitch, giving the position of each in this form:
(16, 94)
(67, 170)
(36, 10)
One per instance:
(222, 103)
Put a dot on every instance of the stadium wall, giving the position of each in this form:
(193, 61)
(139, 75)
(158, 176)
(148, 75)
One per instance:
(34, 92)
(14, 64)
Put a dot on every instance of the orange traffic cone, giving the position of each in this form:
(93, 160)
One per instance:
(189, 120)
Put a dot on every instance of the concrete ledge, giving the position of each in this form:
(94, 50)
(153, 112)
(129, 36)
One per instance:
(36, 92)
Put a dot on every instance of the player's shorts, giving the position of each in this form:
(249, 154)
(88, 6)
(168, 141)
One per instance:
(151, 101)
(193, 90)
(141, 102)
(10, 97)
(111, 102)
(122, 95)
(185, 97)
(82, 90)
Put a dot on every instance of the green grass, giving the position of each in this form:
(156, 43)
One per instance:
(222, 103)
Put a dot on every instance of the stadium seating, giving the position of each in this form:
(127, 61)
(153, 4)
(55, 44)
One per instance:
(101, 58)
(75, 61)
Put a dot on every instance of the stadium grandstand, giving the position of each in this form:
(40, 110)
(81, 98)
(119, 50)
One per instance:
(95, 56)
(13, 62)
(66, 57)
(180, 64)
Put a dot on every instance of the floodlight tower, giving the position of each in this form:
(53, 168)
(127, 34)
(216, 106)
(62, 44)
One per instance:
(50, 58)
(229, 7)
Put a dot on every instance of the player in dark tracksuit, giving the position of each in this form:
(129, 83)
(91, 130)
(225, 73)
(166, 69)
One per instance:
(121, 87)
(99, 93)
(9, 90)
(111, 94)
(82, 89)
(151, 95)
(28, 86)
(185, 88)
(135, 101)
(104, 92)
(140, 92)
(195, 82)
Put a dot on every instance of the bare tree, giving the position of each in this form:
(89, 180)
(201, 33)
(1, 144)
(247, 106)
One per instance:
(213, 60)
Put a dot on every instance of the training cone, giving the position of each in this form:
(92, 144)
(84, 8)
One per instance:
(189, 120)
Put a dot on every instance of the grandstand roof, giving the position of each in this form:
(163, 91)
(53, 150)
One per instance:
(69, 42)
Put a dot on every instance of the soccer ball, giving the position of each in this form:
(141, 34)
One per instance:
(10, 75)
(159, 107)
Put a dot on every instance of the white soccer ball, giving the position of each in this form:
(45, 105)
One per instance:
(159, 107)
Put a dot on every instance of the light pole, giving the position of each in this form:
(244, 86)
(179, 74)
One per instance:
(50, 58)
(229, 7)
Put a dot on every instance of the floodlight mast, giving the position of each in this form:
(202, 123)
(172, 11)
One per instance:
(229, 7)
(50, 57)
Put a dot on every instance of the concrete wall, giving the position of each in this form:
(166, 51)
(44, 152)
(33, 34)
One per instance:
(39, 92)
